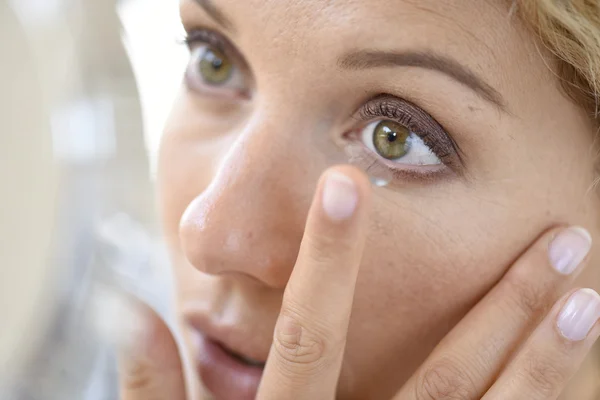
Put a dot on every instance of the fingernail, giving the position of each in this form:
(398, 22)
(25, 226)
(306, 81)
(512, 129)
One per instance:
(579, 315)
(340, 197)
(569, 248)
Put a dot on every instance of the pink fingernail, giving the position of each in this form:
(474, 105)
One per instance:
(340, 197)
(579, 315)
(569, 249)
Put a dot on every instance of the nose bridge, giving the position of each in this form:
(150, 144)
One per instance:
(250, 220)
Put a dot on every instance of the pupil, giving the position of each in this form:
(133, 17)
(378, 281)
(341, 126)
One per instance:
(217, 63)
(392, 136)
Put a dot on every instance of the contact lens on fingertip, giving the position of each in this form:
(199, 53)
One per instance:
(359, 157)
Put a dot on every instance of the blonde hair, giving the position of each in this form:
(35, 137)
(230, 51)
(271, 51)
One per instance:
(570, 29)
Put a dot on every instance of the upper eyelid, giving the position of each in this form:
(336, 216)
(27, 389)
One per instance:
(222, 43)
(362, 114)
(217, 39)
(206, 36)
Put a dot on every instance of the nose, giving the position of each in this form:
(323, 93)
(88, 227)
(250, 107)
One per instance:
(250, 219)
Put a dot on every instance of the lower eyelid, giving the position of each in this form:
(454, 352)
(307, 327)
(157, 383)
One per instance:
(396, 173)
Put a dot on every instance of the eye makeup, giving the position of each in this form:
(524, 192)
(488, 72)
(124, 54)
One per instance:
(417, 121)
(395, 141)
(427, 139)
(195, 37)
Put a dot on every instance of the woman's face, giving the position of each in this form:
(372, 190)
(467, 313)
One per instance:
(453, 103)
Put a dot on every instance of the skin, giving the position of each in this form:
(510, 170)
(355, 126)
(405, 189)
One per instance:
(507, 346)
(237, 173)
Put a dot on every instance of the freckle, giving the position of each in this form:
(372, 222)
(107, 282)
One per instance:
(249, 235)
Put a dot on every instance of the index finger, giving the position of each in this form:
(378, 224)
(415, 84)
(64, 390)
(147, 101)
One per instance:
(309, 339)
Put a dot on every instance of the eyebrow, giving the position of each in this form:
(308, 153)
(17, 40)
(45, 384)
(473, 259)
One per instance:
(209, 7)
(366, 59)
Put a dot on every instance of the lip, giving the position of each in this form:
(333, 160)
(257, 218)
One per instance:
(223, 375)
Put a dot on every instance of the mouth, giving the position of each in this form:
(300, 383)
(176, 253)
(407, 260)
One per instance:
(226, 371)
(241, 358)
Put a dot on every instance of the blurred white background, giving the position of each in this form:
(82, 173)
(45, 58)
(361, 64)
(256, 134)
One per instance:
(153, 35)
(85, 81)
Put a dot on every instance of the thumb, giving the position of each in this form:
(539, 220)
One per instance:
(150, 366)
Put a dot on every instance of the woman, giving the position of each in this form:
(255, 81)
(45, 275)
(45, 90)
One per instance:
(477, 123)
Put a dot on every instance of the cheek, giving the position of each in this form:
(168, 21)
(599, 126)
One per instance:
(425, 266)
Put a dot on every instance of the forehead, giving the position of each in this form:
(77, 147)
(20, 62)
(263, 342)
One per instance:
(481, 29)
(309, 13)
(303, 17)
(306, 37)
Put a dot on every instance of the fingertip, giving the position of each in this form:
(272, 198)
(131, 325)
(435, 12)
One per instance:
(138, 333)
(568, 248)
(579, 315)
(360, 179)
(149, 361)
(345, 190)
(119, 319)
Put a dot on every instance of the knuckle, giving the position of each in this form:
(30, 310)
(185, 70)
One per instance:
(530, 298)
(486, 355)
(299, 349)
(543, 374)
(444, 380)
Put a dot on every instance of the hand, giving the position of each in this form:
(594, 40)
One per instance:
(522, 341)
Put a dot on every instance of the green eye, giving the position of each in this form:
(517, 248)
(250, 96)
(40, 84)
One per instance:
(215, 67)
(391, 140)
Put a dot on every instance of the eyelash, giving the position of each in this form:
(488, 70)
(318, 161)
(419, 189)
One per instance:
(205, 36)
(418, 122)
(382, 106)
